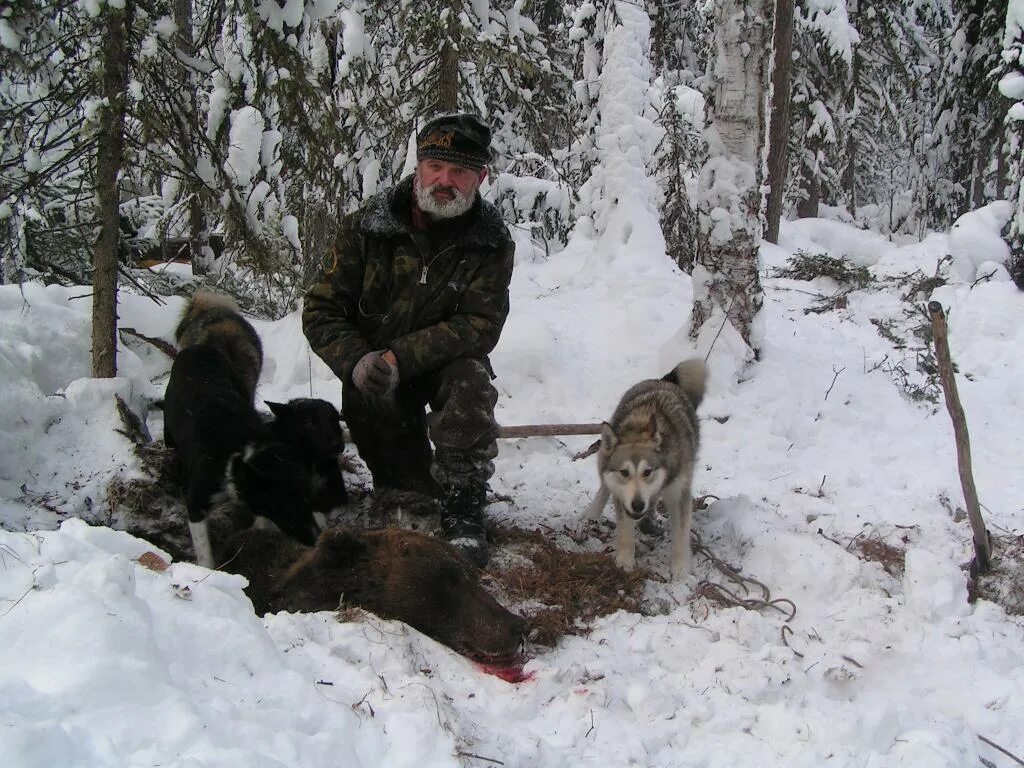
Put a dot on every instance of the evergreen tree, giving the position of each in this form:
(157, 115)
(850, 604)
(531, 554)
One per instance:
(967, 138)
(53, 118)
(1011, 86)
(823, 39)
(680, 46)
(890, 97)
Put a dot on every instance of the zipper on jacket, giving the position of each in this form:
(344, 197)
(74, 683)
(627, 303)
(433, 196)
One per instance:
(428, 265)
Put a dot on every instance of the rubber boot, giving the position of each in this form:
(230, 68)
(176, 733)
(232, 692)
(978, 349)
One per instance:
(462, 521)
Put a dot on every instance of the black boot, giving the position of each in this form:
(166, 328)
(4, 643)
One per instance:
(462, 521)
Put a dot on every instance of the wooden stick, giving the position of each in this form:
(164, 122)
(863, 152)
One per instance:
(163, 346)
(538, 430)
(548, 430)
(982, 545)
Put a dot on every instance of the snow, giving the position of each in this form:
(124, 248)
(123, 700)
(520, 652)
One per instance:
(246, 143)
(619, 200)
(107, 663)
(1014, 22)
(805, 452)
(857, 246)
(975, 242)
(830, 19)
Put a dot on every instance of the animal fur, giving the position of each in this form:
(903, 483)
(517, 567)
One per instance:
(214, 319)
(394, 573)
(647, 453)
(225, 451)
(313, 427)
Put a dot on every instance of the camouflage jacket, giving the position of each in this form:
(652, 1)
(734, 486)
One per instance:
(382, 287)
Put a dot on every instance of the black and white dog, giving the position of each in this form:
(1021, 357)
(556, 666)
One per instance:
(277, 472)
(314, 427)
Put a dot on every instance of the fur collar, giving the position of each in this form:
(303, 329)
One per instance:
(390, 213)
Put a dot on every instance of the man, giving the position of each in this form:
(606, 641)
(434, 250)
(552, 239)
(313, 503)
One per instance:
(413, 297)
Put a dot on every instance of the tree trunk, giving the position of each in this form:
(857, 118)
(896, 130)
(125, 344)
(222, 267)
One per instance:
(109, 155)
(778, 145)
(850, 172)
(727, 286)
(1002, 166)
(448, 73)
(807, 208)
(198, 233)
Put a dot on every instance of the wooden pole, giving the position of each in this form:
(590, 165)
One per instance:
(548, 430)
(982, 545)
(536, 430)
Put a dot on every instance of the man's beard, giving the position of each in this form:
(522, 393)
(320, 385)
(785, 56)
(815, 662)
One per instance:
(441, 209)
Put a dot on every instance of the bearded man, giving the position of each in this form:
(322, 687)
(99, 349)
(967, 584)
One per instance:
(412, 298)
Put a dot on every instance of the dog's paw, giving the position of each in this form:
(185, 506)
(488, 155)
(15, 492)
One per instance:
(625, 560)
(679, 570)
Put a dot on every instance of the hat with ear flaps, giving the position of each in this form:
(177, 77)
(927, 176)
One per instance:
(463, 139)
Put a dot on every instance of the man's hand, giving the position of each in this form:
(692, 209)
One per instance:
(375, 375)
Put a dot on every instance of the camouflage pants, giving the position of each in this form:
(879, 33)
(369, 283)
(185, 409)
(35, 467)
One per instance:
(394, 435)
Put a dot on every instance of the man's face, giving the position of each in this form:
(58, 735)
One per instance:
(445, 190)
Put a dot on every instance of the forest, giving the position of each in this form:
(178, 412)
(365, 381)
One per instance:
(236, 133)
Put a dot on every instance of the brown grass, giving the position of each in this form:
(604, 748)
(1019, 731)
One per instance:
(876, 550)
(572, 588)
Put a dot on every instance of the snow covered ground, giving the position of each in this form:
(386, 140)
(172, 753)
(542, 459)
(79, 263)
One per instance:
(810, 450)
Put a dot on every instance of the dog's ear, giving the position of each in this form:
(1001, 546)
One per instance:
(651, 430)
(608, 437)
(278, 409)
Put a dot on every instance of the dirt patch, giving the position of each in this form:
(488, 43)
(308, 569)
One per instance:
(877, 550)
(152, 507)
(561, 592)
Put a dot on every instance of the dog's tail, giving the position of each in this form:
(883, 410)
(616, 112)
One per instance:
(202, 301)
(691, 376)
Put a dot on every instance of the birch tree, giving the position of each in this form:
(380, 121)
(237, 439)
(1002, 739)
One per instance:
(726, 283)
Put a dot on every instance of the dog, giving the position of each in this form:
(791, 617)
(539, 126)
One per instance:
(647, 454)
(214, 319)
(227, 454)
(310, 425)
(313, 427)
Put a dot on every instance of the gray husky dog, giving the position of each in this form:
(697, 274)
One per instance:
(647, 453)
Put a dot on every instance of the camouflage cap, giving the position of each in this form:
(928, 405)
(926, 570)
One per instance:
(464, 139)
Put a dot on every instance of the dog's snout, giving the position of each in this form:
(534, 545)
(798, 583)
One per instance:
(638, 505)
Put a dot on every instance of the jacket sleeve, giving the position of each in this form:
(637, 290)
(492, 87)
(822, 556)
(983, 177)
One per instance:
(473, 331)
(330, 311)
